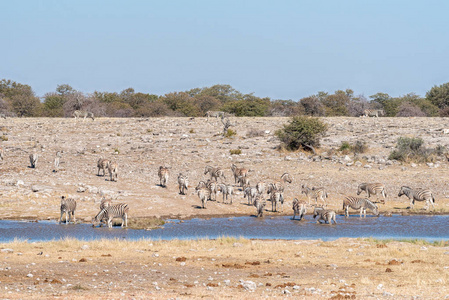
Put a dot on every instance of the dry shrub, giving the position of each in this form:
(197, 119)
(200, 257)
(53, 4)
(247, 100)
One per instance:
(255, 133)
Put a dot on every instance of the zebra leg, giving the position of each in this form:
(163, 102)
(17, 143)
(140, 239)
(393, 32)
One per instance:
(60, 218)
(110, 222)
(126, 220)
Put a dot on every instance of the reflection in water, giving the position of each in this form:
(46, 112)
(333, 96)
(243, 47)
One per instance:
(396, 227)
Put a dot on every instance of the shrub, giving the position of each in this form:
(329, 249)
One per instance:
(301, 132)
(410, 149)
(235, 151)
(191, 131)
(230, 133)
(359, 147)
(4, 138)
(345, 147)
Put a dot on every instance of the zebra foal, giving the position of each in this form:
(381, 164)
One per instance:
(325, 215)
(359, 203)
(163, 174)
(418, 195)
(110, 212)
(299, 208)
(68, 207)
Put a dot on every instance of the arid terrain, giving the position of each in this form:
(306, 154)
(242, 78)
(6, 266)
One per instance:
(222, 268)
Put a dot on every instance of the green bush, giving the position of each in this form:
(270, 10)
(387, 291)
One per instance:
(301, 132)
(235, 151)
(410, 149)
(230, 133)
(359, 147)
(345, 147)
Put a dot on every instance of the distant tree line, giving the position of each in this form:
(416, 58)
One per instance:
(18, 99)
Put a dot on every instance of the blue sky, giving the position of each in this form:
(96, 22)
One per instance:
(279, 49)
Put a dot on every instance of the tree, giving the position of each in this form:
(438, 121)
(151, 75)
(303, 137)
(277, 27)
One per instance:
(312, 106)
(439, 95)
(182, 103)
(250, 106)
(64, 89)
(53, 105)
(301, 132)
(336, 104)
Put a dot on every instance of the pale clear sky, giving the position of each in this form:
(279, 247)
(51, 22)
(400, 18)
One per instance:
(280, 49)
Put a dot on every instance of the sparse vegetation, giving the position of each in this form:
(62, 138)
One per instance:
(255, 133)
(230, 133)
(192, 131)
(356, 148)
(4, 138)
(301, 133)
(235, 151)
(410, 149)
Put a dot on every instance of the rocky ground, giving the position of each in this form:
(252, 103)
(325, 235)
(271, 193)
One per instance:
(140, 146)
(242, 269)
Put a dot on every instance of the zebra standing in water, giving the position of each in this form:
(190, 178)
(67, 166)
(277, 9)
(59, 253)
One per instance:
(183, 182)
(299, 208)
(226, 190)
(113, 169)
(33, 159)
(259, 203)
(110, 212)
(102, 164)
(324, 214)
(68, 206)
(359, 203)
(250, 193)
(314, 193)
(418, 195)
(163, 174)
(215, 173)
(103, 204)
(373, 189)
(238, 172)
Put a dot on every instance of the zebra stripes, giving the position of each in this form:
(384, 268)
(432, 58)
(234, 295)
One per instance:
(204, 195)
(102, 164)
(238, 172)
(250, 193)
(2, 153)
(243, 181)
(226, 190)
(373, 113)
(113, 169)
(112, 211)
(83, 114)
(325, 215)
(163, 174)
(418, 195)
(33, 159)
(286, 178)
(68, 207)
(276, 197)
(215, 114)
(372, 189)
(259, 203)
(183, 183)
(314, 193)
(215, 173)
(359, 203)
(299, 208)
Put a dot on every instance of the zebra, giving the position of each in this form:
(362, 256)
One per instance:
(2, 153)
(326, 215)
(243, 181)
(113, 169)
(103, 204)
(275, 198)
(418, 195)
(250, 193)
(102, 164)
(372, 189)
(238, 172)
(286, 178)
(183, 182)
(259, 203)
(373, 113)
(204, 195)
(57, 158)
(299, 208)
(314, 193)
(277, 186)
(214, 172)
(33, 159)
(215, 114)
(163, 174)
(212, 186)
(83, 114)
(226, 190)
(113, 211)
(359, 203)
(260, 186)
(68, 206)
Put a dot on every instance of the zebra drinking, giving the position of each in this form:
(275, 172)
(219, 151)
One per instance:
(299, 208)
(68, 206)
(113, 211)
(326, 215)
(418, 195)
(359, 203)
(372, 189)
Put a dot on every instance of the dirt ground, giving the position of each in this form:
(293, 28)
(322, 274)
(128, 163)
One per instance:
(225, 268)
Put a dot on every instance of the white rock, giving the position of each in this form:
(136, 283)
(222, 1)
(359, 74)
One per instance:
(248, 285)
